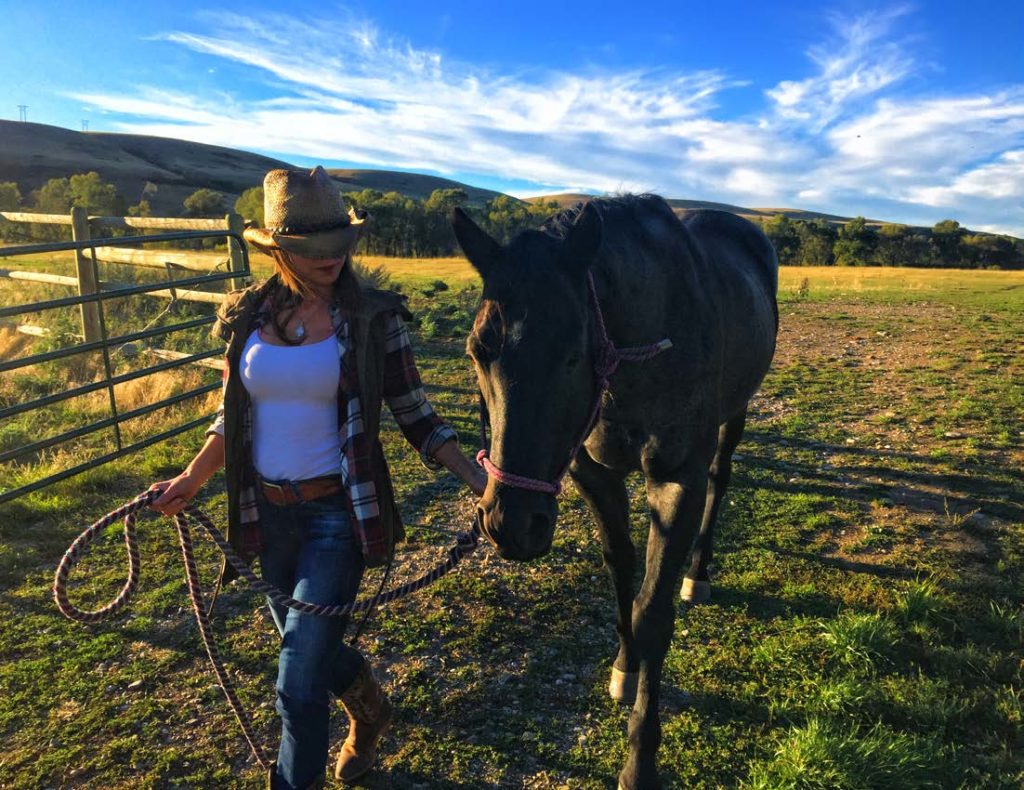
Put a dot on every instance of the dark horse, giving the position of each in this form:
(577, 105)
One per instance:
(707, 283)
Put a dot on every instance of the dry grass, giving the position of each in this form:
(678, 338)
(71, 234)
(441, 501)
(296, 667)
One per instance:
(157, 386)
(945, 285)
(454, 271)
(13, 344)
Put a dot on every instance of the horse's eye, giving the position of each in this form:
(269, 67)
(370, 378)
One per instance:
(485, 343)
(488, 334)
(481, 350)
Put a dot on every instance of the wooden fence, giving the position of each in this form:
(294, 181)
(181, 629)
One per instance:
(82, 228)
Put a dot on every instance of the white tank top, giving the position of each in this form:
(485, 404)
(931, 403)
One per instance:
(294, 391)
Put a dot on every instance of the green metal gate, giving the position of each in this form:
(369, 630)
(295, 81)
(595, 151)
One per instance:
(94, 319)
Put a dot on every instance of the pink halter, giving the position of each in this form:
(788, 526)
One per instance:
(608, 359)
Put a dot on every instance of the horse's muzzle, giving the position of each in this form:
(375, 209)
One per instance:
(520, 524)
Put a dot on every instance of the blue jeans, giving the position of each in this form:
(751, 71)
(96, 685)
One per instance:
(310, 553)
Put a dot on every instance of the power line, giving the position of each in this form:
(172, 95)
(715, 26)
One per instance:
(22, 112)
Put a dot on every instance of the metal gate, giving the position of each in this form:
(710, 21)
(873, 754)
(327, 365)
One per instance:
(94, 319)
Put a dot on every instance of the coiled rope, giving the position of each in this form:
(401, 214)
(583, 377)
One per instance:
(465, 543)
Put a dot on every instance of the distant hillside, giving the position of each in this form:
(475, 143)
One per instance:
(167, 170)
(33, 153)
(682, 206)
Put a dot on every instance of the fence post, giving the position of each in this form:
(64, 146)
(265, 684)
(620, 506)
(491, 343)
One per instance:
(86, 275)
(236, 262)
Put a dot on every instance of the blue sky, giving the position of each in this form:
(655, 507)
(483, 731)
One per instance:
(905, 112)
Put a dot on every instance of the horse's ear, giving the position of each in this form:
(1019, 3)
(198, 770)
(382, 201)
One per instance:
(481, 250)
(584, 238)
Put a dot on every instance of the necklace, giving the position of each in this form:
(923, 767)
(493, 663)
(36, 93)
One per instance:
(300, 329)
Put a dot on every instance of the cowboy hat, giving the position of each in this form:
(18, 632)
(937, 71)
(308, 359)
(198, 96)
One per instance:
(304, 213)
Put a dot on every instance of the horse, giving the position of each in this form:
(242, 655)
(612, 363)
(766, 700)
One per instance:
(698, 295)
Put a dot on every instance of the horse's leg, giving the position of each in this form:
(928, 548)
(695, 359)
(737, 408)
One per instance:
(696, 584)
(604, 491)
(676, 507)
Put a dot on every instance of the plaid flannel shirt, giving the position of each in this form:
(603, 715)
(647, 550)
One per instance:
(403, 393)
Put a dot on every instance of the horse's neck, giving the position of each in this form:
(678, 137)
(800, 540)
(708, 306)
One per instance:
(629, 301)
(645, 292)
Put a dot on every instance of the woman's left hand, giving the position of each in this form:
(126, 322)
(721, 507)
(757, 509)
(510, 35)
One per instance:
(478, 483)
(456, 462)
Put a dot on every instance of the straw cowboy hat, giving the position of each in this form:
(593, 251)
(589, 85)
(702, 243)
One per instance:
(304, 213)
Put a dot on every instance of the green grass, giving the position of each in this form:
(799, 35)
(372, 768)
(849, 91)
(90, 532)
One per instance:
(835, 755)
(865, 631)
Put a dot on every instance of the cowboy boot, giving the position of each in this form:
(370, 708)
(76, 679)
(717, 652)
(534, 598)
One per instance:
(369, 711)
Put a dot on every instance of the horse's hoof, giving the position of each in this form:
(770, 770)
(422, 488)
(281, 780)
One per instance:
(695, 591)
(622, 687)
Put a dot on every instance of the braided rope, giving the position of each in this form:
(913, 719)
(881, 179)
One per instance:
(517, 481)
(465, 543)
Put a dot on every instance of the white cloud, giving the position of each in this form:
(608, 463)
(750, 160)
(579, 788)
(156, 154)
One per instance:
(845, 139)
(859, 64)
(1002, 180)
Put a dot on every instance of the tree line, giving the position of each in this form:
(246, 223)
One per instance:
(818, 242)
(406, 227)
(88, 191)
(410, 227)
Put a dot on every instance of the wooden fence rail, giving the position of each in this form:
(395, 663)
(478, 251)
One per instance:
(185, 295)
(156, 259)
(39, 219)
(82, 227)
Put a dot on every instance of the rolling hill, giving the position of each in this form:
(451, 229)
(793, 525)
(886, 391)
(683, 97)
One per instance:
(33, 153)
(167, 170)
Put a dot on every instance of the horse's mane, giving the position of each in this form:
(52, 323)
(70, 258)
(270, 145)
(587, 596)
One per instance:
(613, 210)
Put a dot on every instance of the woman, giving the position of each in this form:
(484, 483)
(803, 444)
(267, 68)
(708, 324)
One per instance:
(311, 357)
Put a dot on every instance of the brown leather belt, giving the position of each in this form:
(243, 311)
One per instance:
(294, 492)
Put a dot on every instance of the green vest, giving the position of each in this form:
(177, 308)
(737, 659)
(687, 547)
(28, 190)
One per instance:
(367, 334)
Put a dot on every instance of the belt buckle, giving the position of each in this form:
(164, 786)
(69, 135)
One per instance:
(286, 489)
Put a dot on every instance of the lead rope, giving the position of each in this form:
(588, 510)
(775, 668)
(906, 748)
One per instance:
(465, 543)
(608, 358)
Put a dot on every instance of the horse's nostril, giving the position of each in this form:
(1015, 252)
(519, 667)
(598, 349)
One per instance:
(540, 529)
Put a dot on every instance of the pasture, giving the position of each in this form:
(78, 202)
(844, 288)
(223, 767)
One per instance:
(866, 630)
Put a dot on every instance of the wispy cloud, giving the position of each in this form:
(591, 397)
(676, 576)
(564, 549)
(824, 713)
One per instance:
(858, 64)
(840, 138)
(1002, 180)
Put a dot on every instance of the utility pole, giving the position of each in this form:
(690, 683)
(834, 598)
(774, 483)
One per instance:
(22, 112)
(85, 125)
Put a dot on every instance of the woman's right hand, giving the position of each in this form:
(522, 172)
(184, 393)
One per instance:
(176, 494)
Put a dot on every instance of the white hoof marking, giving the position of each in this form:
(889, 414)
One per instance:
(622, 687)
(695, 591)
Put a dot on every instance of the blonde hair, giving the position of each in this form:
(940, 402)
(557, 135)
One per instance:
(291, 279)
(284, 301)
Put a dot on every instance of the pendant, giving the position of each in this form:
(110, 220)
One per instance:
(300, 330)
